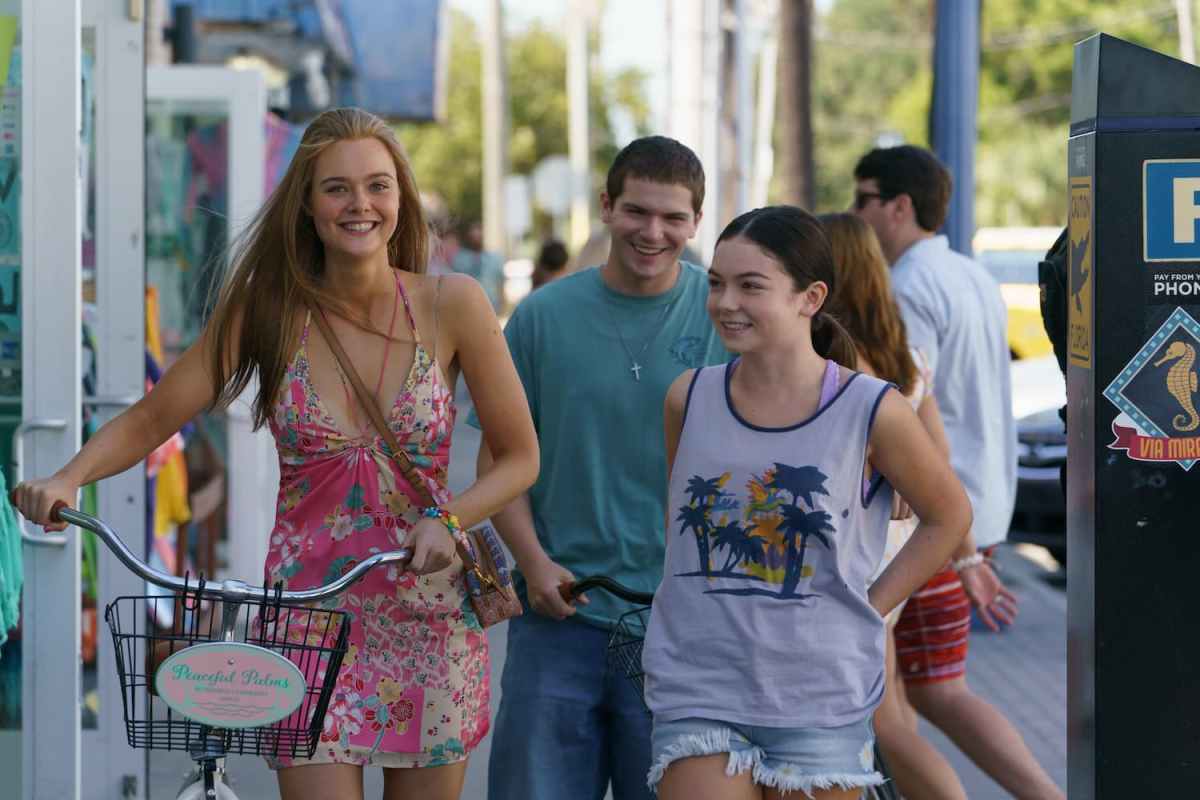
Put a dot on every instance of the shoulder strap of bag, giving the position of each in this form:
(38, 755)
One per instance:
(368, 403)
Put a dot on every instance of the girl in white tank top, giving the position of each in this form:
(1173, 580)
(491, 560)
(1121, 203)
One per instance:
(764, 656)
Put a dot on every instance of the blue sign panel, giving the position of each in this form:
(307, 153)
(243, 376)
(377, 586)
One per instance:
(396, 56)
(394, 46)
(1171, 210)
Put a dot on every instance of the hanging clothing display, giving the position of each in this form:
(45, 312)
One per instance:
(283, 139)
(11, 569)
(166, 469)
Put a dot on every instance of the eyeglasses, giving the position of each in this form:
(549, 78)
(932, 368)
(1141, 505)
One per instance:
(862, 198)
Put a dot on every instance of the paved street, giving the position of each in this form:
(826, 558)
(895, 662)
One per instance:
(1022, 671)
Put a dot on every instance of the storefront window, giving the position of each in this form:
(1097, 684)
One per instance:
(187, 237)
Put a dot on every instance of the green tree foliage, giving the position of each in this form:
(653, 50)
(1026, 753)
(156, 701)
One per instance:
(874, 79)
(447, 157)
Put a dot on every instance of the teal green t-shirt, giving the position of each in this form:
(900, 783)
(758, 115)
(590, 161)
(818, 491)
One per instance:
(598, 501)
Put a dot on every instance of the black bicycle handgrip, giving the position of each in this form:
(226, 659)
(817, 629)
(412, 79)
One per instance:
(571, 590)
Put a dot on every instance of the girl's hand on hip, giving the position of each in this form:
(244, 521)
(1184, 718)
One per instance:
(900, 507)
(432, 546)
(34, 499)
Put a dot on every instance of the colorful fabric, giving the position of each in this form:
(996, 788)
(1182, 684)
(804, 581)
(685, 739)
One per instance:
(772, 540)
(598, 501)
(932, 634)
(413, 689)
(12, 571)
(171, 506)
(283, 140)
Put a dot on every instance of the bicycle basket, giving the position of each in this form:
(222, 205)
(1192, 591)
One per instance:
(312, 639)
(625, 645)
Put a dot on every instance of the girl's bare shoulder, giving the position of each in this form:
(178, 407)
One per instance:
(446, 289)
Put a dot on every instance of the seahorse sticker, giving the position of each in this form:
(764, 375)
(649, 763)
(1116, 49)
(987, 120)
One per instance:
(1182, 383)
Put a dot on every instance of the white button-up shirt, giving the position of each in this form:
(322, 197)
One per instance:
(955, 315)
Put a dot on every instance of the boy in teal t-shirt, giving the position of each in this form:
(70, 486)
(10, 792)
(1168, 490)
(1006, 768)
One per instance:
(596, 352)
(597, 404)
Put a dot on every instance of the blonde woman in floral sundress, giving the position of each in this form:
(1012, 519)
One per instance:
(343, 237)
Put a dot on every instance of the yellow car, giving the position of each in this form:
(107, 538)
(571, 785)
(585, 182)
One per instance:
(1011, 255)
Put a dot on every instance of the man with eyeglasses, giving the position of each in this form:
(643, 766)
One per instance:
(954, 314)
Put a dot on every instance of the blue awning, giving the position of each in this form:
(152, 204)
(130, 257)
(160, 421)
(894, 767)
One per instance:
(391, 45)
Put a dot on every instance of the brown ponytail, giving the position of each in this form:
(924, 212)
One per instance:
(831, 340)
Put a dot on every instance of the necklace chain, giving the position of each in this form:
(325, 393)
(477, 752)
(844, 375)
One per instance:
(636, 368)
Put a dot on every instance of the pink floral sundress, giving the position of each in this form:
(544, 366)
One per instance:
(413, 689)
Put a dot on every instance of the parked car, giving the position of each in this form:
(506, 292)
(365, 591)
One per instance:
(1040, 516)
(1011, 255)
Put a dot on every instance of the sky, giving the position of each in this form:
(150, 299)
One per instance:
(632, 34)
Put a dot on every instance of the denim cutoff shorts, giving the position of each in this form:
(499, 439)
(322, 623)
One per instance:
(785, 759)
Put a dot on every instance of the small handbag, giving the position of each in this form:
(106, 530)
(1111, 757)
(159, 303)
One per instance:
(485, 565)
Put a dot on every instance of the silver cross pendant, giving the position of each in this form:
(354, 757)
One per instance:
(636, 369)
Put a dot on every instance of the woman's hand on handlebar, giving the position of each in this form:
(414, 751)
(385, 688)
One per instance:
(36, 499)
(432, 547)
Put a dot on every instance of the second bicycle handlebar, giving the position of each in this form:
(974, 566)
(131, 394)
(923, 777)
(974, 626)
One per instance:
(571, 590)
(232, 590)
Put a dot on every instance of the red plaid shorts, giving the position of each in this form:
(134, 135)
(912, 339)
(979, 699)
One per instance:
(931, 636)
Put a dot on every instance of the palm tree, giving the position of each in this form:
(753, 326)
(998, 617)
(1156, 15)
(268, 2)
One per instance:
(742, 546)
(702, 489)
(695, 517)
(800, 524)
(800, 482)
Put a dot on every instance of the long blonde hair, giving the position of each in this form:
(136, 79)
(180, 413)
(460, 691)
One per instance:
(278, 262)
(864, 302)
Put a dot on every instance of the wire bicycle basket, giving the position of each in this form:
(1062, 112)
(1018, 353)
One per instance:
(311, 639)
(625, 646)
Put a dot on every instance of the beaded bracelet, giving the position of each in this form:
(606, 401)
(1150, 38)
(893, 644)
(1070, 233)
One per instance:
(973, 560)
(453, 526)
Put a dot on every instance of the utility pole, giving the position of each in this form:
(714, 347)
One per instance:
(495, 129)
(797, 172)
(764, 145)
(578, 143)
(1187, 40)
(952, 116)
(693, 113)
(737, 109)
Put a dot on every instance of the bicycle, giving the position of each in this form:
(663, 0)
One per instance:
(624, 654)
(256, 681)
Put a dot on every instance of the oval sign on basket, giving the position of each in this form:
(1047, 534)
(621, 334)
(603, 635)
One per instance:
(230, 684)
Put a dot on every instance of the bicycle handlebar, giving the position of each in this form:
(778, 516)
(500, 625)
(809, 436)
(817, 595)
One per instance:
(571, 590)
(231, 590)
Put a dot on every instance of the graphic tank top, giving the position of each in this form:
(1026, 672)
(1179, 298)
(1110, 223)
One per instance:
(762, 615)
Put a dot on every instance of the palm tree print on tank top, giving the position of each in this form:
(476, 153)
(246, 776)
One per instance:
(767, 543)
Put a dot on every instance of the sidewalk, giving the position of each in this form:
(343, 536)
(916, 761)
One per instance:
(1022, 671)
